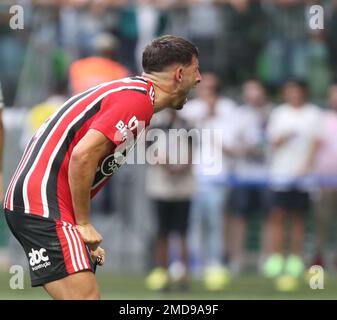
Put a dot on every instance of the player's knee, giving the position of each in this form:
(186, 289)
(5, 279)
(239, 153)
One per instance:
(94, 295)
(91, 293)
(83, 295)
(79, 286)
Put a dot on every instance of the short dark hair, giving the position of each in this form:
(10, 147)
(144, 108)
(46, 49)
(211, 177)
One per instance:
(167, 50)
(299, 83)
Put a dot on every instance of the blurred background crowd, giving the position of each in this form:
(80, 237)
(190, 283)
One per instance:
(270, 85)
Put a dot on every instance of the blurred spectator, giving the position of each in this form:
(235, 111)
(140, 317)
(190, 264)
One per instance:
(326, 169)
(292, 131)
(92, 20)
(245, 34)
(12, 49)
(128, 31)
(147, 16)
(39, 113)
(88, 72)
(170, 187)
(248, 195)
(287, 50)
(319, 73)
(209, 112)
(331, 31)
(204, 25)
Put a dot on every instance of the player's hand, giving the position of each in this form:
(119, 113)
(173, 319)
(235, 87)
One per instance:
(98, 255)
(90, 236)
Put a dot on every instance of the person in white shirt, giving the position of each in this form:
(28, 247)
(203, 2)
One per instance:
(292, 131)
(210, 112)
(248, 194)
(325, 169)
(170, 187)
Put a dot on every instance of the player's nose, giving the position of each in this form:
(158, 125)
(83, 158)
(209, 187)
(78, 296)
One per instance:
(198, 78)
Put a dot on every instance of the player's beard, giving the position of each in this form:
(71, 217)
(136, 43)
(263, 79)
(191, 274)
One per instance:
(181, 103)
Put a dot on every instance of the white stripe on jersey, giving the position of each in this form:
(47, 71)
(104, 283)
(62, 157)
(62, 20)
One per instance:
(152, 94)
(59, 144)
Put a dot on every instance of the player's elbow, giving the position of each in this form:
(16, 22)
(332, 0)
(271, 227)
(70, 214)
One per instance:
(79, 160)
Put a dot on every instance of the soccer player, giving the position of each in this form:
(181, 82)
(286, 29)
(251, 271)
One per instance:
(71, 157)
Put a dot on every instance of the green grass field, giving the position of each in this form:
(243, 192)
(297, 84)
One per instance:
(128, 287)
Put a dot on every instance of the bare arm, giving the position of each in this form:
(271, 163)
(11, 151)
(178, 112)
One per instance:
(312, 156)
(82, 168)
(281, 140)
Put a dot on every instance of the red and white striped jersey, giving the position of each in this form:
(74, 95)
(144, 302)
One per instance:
(40, 183)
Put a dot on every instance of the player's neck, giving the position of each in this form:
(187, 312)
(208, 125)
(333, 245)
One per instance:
(163, 89)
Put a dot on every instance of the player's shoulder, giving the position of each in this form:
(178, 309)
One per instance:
(128, 88)
(130, 94)
(137, 84)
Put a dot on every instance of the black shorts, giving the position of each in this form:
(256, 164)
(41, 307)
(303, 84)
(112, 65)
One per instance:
(244, 201)
(172, 216)
(54, 249)
(291, 200)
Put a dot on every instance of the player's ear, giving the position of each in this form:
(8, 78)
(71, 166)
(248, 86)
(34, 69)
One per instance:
(178, 74)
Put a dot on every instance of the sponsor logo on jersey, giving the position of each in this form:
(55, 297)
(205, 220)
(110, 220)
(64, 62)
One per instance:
(38, 259)
(123, 128)
(112, 163)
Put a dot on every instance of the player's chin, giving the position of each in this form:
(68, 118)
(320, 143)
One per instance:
(181, 105)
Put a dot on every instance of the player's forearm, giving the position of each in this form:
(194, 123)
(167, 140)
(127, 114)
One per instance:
(81, 174)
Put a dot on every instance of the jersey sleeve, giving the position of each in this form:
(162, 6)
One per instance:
(123, 114)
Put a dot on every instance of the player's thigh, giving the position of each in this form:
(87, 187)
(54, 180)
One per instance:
(77, 286)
